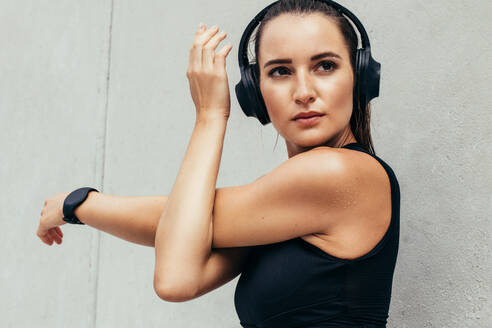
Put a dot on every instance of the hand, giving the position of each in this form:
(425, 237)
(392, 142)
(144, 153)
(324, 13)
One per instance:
(51, 219)
(207, 75)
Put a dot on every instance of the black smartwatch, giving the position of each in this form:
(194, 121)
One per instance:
(74, 199)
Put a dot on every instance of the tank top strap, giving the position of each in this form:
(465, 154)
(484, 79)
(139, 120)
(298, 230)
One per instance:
(394, 184)
(356, 146)
(389, 170)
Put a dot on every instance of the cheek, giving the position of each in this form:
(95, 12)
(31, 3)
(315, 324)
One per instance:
(275, 98)
(340, 93)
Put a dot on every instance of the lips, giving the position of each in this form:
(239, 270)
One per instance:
(307, 115)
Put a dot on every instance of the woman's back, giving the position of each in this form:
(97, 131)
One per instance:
(296, 284)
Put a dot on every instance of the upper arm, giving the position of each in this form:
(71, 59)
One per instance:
(306, 194)
(223, 265)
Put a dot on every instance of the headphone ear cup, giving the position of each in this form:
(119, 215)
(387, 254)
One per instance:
(260, 108)
(373, 76)
(367, 78)
(249, 95)
(360, 79)
(242, 95)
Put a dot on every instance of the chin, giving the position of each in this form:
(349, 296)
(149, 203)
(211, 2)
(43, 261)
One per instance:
(311, 141)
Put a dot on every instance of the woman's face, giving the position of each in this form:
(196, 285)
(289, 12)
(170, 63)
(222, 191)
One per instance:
(299, 84)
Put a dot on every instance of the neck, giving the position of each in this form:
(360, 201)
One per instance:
(335, 142)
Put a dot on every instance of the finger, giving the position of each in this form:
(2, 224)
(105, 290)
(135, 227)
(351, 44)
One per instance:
(209, 50)
(197, 48)
(60, 232)
(193, 53)
(54, 236)
(57, 231)
(43, 235)
(46, 239)
(202, 38)
(221, 56)
(58, 236)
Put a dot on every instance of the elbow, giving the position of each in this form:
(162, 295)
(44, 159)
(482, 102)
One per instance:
(171, 295)
(173, 292)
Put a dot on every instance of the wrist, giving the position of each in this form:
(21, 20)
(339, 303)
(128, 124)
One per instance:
(212, 117)
(82, 210)
(60, 207)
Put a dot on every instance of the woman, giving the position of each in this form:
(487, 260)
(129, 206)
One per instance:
(316, 239)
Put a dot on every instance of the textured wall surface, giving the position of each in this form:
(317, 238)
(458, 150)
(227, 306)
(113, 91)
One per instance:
(94, 93)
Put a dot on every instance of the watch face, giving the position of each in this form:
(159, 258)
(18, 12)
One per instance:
(73, 198)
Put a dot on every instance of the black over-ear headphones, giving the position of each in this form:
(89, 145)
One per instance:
(367, 70)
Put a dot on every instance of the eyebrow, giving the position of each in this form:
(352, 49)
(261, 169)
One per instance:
(315, 57)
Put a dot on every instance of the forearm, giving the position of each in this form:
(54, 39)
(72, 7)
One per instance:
(132, 218)
(184, 234)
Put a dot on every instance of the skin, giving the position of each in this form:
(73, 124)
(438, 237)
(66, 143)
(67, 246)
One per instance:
(300, 86)
(255, 213)
(51, 219)
(305, 85)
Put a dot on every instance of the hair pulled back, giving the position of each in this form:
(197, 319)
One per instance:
(360, 119)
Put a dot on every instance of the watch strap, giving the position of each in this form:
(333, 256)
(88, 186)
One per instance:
(72, 201)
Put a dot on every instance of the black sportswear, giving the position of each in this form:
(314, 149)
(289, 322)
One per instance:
(296, 284)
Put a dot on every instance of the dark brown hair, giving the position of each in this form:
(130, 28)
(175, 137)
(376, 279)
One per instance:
(360, 120)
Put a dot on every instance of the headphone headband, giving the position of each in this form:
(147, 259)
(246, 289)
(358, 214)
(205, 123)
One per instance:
(243, 55)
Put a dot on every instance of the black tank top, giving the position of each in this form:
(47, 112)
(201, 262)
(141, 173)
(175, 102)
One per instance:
(296, 284)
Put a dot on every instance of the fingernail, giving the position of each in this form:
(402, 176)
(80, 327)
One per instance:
(213, 27)
(200, 26)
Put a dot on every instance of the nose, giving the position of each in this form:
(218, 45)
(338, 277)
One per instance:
(304, 92)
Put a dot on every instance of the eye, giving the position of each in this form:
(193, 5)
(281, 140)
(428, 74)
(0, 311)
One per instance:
(276, 69)
(330, 63)
(324, 63)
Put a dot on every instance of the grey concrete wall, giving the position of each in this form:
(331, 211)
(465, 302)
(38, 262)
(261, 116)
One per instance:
(94, 93)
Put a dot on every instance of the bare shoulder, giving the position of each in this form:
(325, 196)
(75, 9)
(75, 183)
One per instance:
(368, 213)
(308, 193)
(360, 178)
(361, 168)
